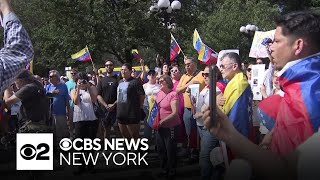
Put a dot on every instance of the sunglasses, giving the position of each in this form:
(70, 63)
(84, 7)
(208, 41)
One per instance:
(249, 69)
(205, 74)
(173, 71)
(73, 73)
(108, 65)
(223, 66)
(51, 76)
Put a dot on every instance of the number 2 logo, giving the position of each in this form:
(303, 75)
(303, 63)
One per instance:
(28, 151)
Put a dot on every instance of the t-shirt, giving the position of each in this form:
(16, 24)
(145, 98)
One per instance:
(35, 104)
(150, 89)
(60, 100)
(164, 101)
(107, 88)
(70, 85)
(128, 95)
(203, 99)
(184, 80)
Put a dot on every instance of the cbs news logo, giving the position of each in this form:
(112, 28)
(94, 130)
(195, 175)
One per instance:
(34, 151)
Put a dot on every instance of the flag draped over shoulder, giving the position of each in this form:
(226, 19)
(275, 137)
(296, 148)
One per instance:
(83, 55)
(153, 118)
(206, 54)
(174, 48)
(136, 54)
(238, 105)
(296, 116)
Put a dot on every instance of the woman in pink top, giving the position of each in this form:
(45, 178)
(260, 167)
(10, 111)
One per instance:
(168, 102)
(182, 135)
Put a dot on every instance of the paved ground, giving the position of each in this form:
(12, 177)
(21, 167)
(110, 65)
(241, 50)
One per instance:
(185, 170)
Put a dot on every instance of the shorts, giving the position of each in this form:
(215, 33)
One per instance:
(126, 121)
(109, 119)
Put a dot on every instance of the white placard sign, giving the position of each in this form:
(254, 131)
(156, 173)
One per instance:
(257, 78)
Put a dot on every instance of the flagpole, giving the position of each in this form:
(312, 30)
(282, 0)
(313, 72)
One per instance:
(178, 45)
(91, 59)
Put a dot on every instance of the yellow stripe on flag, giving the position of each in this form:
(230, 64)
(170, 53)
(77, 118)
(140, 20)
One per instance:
(80, 53)
(234, 90)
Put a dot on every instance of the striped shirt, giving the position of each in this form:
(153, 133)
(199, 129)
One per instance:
(17, 51)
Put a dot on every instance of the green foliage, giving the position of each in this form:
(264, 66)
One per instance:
(111, 28)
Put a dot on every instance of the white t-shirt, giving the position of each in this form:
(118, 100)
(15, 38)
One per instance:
(150, 89)
(203, 100)
(84, 110)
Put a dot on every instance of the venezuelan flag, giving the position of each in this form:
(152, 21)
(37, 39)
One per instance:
(83, 55)
(196, 40)
(174, 48)
(207, 55)
(153, 113)
(238, 105)
(296, 116)
(136, 54)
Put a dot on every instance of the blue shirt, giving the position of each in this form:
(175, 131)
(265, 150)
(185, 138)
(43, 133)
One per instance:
(71, 85)
(60, 100)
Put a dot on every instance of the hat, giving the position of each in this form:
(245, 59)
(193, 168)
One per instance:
(151, 71)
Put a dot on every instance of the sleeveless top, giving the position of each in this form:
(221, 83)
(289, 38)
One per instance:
(84, 110)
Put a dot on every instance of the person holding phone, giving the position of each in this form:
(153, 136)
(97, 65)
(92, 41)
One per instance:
(208, 141)
(84, 118)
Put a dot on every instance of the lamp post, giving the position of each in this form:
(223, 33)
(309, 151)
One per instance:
(165, 9)
(249, 28)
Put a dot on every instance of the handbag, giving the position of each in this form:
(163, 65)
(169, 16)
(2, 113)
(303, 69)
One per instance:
(98, 111)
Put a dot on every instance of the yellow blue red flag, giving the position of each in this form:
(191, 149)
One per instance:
(83, 55)
(238, 104)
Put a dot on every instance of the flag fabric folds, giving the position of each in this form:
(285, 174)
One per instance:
(296, 116)
(174, 48)
(206, 54)
(136, 54)
(197, 42)
(83, 55)
(238, 104)
(154, 116)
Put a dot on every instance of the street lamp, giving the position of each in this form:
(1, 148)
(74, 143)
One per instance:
(249, 28)
(164, 9)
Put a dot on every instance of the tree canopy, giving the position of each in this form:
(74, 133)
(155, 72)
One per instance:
(111, 28)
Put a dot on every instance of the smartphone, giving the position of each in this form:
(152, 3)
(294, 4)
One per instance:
(213, 95)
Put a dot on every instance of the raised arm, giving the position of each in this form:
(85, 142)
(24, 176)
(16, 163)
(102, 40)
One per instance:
(17, 50)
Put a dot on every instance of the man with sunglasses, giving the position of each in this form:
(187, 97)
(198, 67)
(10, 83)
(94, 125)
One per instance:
(192, 76)
(60, 105)
(107, 97)
(238, 94)
(71, 84)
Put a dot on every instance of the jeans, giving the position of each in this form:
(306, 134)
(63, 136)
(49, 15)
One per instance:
(147, 131)
(86, 129)
(191, 128)
(167, 146)
(208, 142)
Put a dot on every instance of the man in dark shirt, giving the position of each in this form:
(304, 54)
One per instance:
(130, 98)
(107, 97)
(34, 112)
